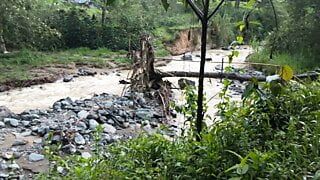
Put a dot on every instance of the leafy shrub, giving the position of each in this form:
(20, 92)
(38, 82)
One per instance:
(271, 135)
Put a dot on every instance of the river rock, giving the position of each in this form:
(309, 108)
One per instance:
(86, 155)
(67, 78)
(34, 157)
(107, 128)
(2, 125)
(93, 124)
(13, 122)
(81, 126)
(83, 114)
(19, 142)
(144, 113)
(79, 139)
(14, 166)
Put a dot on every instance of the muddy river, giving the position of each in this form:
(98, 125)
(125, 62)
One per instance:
(43, 96)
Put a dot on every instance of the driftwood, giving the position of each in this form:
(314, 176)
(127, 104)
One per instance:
(231, 76)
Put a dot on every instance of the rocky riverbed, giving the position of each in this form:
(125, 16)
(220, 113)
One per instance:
(88, 102)
(71, 123)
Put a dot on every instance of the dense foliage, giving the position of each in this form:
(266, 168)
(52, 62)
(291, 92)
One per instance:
(272, 134)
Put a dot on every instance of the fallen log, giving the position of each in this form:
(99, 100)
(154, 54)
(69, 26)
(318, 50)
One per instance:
(232, 76)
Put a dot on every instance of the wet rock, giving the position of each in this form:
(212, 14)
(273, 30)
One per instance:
(79, 139)
(93, 124)
(19, 142)
(13, 122)
(107, 128)
(187, 57)
(67, 78)
(83, 114)
(144, 113)
(34, 157)
(86, 155)
(25, 123)
(86, 72)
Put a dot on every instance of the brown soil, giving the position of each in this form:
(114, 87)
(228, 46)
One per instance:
(189, 40)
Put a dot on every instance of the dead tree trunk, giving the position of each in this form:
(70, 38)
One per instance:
(232, 76)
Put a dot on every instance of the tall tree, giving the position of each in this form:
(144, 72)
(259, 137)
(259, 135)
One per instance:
(203, 11)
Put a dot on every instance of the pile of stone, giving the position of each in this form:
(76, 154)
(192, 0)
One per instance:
(73, 125)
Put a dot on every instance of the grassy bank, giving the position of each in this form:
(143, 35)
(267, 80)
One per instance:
(17, 65)
(299, 62)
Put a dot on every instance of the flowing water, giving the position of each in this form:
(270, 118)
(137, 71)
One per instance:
(43, 96)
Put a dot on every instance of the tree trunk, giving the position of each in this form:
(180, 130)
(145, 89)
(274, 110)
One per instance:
(2, 43)
(200, 113)
(103, 16)
(237, 4)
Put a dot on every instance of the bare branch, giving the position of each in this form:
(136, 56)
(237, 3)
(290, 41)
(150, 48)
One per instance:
(196, 9)
(216, 9)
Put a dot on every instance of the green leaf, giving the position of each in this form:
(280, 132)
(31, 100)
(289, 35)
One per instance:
(165, 4)
(241, 27)
(242, 169)
(286, 73)
(240, 39)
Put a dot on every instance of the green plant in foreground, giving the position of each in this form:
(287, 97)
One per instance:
(268, 136)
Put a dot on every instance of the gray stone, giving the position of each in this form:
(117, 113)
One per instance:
(93, 116)
(42, 130)
(34, 157)
(81, 126)
(83, 114)
(3, 175)
(19, 142)
(93, 124)
(3, 166)
(67, 78)
(26, 133)
(13, 122)
(25, 123)
(37, 141)
(187, 57)
(14, 166)
(107, 128)
(110, 121)
(2, 125)
(86, 155)
(144, 113)
(79, 139)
